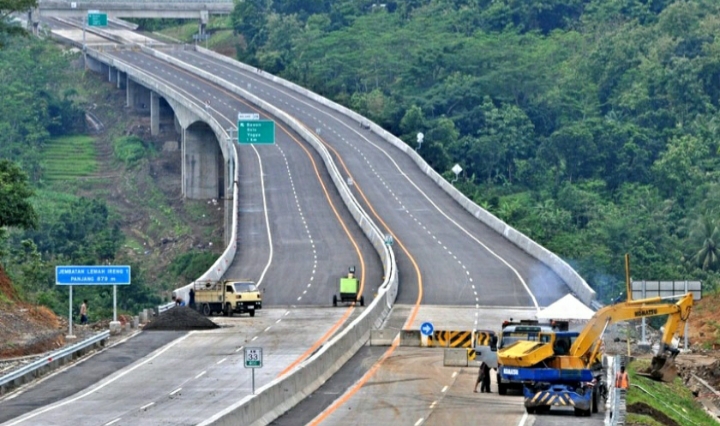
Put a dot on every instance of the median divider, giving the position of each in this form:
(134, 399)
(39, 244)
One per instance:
(455, 357)
(283, 393)
(383, 337)
(576, 283)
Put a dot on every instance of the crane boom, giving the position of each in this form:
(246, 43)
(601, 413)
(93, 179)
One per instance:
(678, 314)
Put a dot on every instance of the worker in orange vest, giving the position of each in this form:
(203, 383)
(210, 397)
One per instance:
(622, 381)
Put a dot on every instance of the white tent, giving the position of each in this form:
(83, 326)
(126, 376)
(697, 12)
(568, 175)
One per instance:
(567, 308)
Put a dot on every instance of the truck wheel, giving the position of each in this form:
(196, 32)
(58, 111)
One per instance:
(581, 413)
(206, 310)
(228, 310)
(502, 389)
(594, 400)
(542, 409)
(362, 300)
(252, 313)
(530, 410)
(334, 299)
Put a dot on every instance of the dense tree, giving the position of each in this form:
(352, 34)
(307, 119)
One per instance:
(591, 125)
(7, 8)
(15, 193)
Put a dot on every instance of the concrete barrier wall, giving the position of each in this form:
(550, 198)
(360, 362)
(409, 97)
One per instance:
(225, 260)
(576, 283)
(373, 233)
(455, 357)
(282, 394)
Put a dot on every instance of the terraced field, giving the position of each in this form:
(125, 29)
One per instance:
(69, 158)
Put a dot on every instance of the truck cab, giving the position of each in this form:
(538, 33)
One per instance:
(228, 296)
(523, 330)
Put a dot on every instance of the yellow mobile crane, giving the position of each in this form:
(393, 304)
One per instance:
(562, 373)
(560, 368)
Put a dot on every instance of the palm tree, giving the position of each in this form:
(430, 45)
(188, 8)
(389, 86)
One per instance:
(705, 235)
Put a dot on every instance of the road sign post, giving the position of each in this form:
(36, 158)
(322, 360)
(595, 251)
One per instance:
(253, 360)
(92, 275)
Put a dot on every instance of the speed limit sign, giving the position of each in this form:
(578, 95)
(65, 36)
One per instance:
(253, 358)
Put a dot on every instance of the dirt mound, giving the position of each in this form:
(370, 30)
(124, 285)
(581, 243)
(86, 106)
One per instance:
(27, 330)
(6, 287)
(642, 408)
(181, 318)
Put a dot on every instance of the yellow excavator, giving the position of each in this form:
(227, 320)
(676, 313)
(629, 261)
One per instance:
(561, 368)
(552, 351)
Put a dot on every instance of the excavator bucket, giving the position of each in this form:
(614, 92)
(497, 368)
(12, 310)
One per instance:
(662, 369)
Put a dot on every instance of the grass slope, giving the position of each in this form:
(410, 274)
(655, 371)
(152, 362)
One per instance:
(674, 400)
(69, 158)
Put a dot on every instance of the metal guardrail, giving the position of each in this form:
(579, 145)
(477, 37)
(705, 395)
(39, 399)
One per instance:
(54, 356)
(165, 307)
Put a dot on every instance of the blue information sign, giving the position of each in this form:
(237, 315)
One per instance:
(427, 329)
(92, 275)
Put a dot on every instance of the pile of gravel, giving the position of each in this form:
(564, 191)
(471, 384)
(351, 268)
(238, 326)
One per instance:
(181, 318)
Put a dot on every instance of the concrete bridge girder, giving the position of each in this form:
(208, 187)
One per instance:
(203, 170)
(208, 160)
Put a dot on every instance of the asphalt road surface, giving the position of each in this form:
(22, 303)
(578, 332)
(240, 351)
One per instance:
(312, 239)
(451, 257)
(182, 383)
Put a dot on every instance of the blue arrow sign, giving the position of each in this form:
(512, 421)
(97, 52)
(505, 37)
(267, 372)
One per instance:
(427, 329)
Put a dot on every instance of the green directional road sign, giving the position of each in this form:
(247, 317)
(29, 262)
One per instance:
(256, 132)
(97, 19)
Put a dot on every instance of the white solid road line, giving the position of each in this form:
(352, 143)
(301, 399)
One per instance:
(102, 385)
(523, 419)
(417, 423)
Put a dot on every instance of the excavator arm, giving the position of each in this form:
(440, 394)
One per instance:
(585, 350)
(678, 314)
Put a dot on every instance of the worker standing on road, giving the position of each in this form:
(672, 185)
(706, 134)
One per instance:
(83, 313)
(483, 378)
(191, 302)
(485, 386)
(622, 381)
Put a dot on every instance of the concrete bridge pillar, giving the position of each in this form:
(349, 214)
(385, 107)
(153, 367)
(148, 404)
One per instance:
(228, 197)
(119, 79)
(129, 92)
(202, 161)
(154, 113)
(112, 75)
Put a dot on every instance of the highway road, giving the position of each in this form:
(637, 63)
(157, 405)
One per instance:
(459, 259)
(312, 239)
(446, 257)
(188, 380)
(295, 239)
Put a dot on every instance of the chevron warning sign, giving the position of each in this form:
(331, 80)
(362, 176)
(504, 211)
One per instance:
(451, 339)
